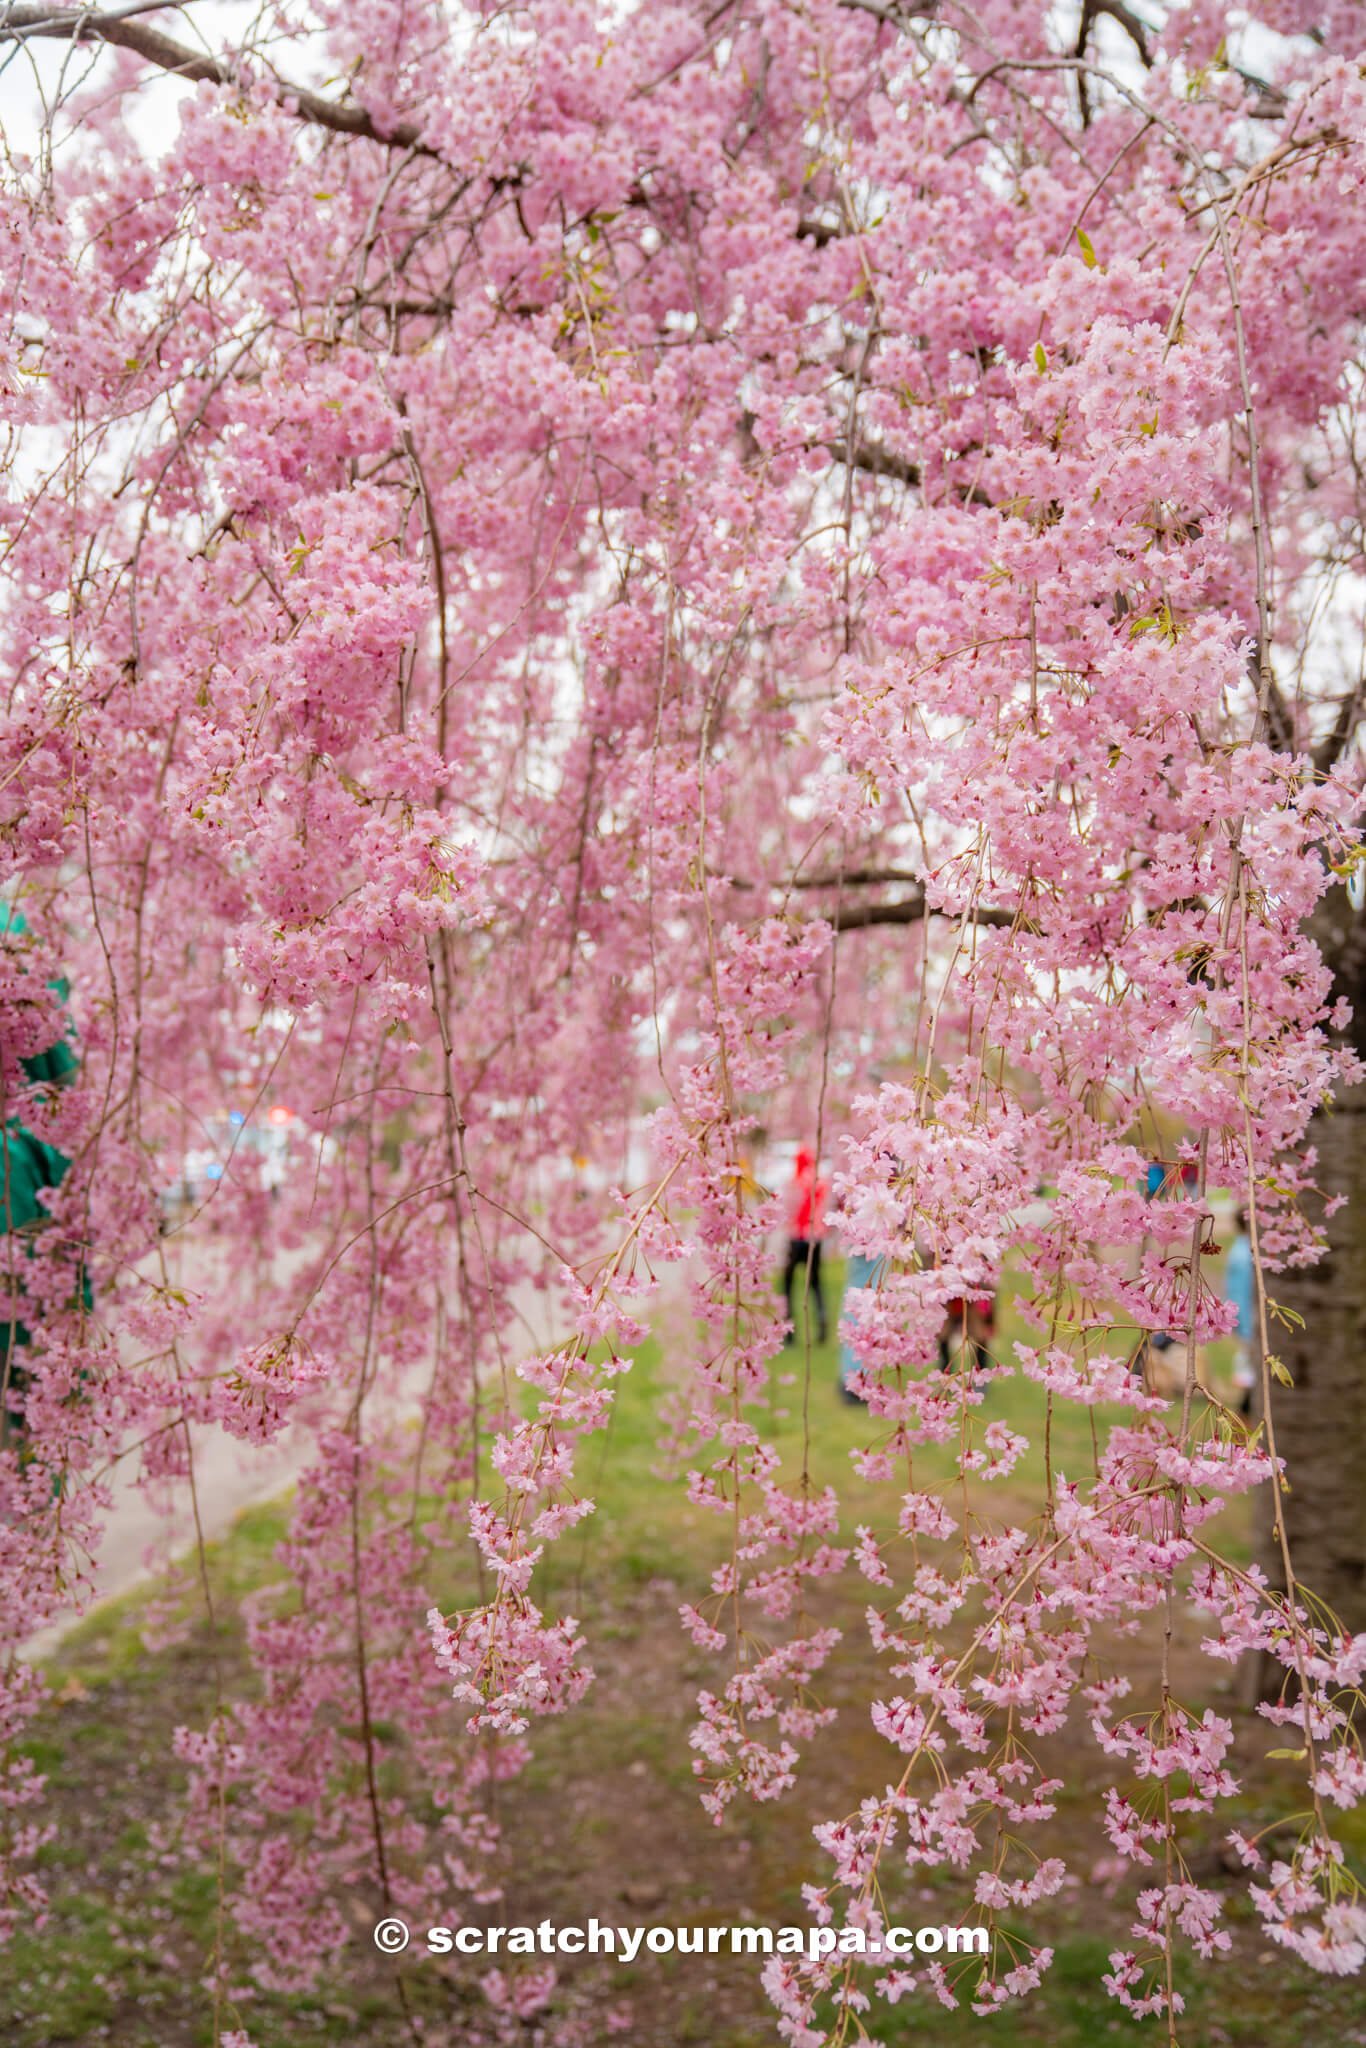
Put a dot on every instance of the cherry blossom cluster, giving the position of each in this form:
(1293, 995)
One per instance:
(633, 584)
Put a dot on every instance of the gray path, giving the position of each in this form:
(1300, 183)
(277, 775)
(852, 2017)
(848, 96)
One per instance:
(144, 1538)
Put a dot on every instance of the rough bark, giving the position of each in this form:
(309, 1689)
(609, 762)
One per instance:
(1320, 1421)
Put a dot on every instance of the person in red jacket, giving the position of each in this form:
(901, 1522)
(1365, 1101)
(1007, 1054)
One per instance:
(805, 1232)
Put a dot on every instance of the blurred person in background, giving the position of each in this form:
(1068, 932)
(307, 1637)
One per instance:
(1240, 1289)
(805, 1235)
(861, 1271)
(969, 1327)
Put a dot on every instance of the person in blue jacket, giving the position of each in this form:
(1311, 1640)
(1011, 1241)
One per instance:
(861, 1271)
(1240, 1288)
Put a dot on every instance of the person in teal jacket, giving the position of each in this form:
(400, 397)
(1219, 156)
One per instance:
(27, 1167)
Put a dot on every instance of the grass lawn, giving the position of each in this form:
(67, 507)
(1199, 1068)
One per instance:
(605, 1820)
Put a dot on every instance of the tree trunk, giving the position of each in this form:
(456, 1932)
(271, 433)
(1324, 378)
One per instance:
(1320, 1421)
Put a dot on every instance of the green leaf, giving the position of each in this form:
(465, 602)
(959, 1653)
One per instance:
(1040, 358)
(1088, 254)
(1279, 1372)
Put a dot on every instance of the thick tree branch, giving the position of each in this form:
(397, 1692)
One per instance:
(886, 11)
(826, 878)
(867, 456)
(854, 917)
(1334, 744)
(1280, 726)
(122, 30)
(851, 878)
(821, 232)
(1133, 25)
(875, 461)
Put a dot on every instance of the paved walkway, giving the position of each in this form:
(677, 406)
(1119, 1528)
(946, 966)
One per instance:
(142, 1538)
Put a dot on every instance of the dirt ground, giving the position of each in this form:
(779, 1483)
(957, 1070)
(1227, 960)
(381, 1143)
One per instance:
(605, 1823)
